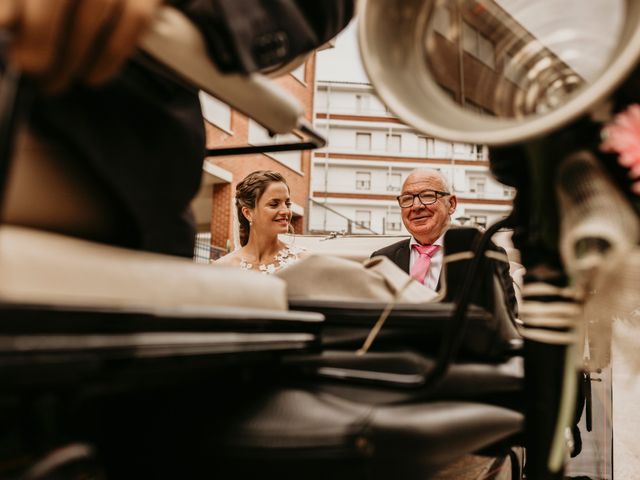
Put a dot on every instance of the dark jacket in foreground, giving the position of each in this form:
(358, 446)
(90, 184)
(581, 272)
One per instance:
(142, 136)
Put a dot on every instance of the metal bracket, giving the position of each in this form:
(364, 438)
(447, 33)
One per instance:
(311, 141)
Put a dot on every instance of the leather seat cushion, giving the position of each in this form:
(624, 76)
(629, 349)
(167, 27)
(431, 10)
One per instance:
(292, 425)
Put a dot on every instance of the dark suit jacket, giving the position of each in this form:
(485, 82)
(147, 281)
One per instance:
(459, 239)
(399, 253)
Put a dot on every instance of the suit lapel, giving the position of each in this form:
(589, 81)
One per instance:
(402, 256)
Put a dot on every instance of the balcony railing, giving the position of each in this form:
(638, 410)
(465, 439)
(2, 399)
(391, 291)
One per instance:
(351, 223)
(408, 153)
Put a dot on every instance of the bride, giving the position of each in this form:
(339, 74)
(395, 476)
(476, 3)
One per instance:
(264, 211)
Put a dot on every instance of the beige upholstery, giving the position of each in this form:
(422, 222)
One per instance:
(354, 247)
(37, 267)
(329, 278)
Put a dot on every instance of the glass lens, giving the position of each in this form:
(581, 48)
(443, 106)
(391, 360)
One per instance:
(405, 200)
(428, 197)
(514, 58)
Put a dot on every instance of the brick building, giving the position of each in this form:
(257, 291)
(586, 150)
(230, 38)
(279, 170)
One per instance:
(213, 206)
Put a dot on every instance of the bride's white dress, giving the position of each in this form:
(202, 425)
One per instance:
(287, 256)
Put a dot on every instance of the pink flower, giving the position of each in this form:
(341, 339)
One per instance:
(622, 136)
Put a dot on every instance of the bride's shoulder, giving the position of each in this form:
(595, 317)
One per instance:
(231, 259)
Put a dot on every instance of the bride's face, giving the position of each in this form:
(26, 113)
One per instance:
(273, 210)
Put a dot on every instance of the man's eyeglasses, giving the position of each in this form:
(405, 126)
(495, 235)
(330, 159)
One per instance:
(426, 197)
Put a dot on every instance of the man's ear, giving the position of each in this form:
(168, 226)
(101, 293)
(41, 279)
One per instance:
(453, 203)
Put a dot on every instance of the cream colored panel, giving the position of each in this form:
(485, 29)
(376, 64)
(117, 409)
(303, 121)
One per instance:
(39, 267)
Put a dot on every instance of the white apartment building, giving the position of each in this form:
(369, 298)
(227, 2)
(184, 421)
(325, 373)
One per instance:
(355, 179)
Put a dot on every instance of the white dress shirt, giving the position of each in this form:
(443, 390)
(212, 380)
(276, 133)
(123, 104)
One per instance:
(435, 267)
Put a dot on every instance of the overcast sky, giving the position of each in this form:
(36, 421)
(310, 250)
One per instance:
(342, 63)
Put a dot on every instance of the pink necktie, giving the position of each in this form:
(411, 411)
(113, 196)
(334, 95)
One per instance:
(421, 266)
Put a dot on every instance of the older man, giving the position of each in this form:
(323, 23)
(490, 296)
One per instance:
(427, 205)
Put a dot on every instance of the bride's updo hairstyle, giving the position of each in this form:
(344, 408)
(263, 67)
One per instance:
(248, 192)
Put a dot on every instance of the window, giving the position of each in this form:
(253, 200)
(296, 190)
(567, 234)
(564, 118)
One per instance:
(442, 21)
(478, 45)
(486, 51)
(422, 146)
(363, 141)
(426, 146)
(394, 180)
(469, 38)
(393, 142)
(477, 184)
(447, 148)
(363, 219)
(506, 192)
(299, 71)
(394, 222)
(363, 181)
(509, 68)
(362, 103)
(479, 220)
(469, 150)
(461, 148)
(478, 151)
(512, 70)
(215, 112)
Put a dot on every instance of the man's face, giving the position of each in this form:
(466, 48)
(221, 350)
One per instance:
(427, 222)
